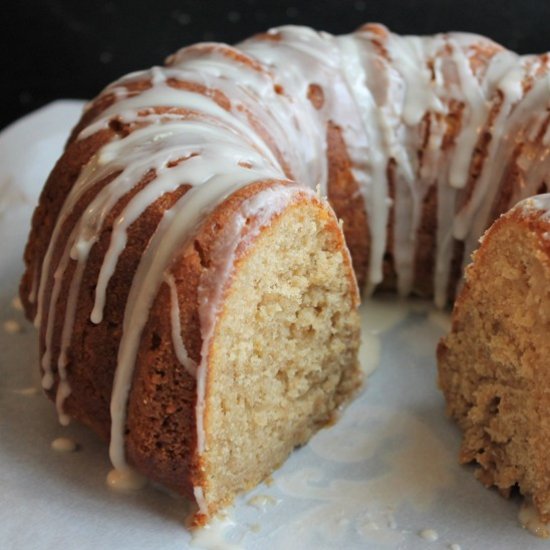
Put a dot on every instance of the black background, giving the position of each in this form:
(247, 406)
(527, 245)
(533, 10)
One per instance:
(53, 49)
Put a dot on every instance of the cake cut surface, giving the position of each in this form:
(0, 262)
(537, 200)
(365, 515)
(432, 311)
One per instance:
(185, 275)
(285, 353)
(494, 364)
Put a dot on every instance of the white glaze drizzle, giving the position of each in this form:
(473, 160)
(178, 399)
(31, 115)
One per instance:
(373, 182)
(378, 88)
(476, 110)
(413, 95)
(144, 149)
(177, 341)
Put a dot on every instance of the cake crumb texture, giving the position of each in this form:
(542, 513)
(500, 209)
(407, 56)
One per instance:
(284, 357)
(493, 366)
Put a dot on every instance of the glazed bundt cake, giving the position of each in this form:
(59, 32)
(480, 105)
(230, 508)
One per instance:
(493, 366)
(195, 298)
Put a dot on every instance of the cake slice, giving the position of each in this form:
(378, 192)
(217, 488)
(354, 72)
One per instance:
(494, 366)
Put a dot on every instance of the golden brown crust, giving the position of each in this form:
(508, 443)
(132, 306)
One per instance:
(51, 199)
(346, 199)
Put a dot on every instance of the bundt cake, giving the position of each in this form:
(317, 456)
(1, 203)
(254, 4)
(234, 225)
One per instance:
(493, 366)
(195, 299)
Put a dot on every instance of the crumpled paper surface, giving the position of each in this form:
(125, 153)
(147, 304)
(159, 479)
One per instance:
(384, 474)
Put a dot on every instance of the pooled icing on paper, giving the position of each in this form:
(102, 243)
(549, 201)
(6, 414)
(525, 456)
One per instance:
(16, 303)
(397, 443)
(377, 317)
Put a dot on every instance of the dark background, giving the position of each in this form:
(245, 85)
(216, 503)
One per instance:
(53, 49)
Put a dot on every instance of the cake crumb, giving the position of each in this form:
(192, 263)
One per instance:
(126, 480)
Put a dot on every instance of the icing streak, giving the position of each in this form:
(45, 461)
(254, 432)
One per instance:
(438, 116)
